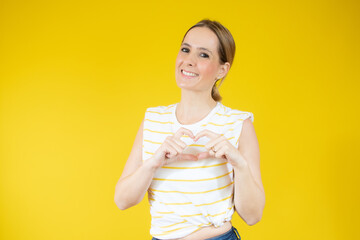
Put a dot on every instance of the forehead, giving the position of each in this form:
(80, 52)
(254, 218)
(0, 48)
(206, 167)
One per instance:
(201, 37)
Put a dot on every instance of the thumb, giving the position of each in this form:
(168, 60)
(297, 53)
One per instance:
(181, 156)
(190, 157)
(203, 155)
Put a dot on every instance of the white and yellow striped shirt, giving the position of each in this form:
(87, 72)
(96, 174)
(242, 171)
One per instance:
(187, 195)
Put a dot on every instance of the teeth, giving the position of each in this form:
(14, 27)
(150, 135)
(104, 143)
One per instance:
(189, 74)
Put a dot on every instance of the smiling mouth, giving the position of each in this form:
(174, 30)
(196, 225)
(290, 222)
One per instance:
(189, 74)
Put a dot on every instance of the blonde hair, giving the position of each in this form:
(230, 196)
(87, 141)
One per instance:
(226, 48)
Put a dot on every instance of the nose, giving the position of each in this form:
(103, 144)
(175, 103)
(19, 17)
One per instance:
(190, 60)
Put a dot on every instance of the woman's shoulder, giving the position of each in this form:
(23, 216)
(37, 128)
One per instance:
(235, 113)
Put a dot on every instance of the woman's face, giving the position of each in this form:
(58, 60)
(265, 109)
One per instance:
(197, 63)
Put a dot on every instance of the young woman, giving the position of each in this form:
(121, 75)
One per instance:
(198, 160)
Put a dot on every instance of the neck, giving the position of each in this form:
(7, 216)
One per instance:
(194, 106)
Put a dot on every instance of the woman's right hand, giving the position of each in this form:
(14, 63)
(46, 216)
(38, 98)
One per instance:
(171, 149)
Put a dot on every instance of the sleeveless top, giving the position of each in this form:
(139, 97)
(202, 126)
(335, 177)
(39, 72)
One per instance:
(185, 196)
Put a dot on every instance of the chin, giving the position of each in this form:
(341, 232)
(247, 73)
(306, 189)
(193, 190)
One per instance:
(185, 84)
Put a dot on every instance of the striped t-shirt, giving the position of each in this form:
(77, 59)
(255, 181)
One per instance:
(187, 195)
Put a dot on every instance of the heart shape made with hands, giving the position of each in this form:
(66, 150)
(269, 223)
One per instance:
(202, 155)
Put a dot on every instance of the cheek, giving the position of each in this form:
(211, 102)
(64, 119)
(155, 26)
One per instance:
(208, 69)
(178, 59)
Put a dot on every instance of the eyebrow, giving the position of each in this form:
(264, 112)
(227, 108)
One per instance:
(201, 48)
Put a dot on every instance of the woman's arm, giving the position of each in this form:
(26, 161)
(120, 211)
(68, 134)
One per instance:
(249, 195)
(136, 177)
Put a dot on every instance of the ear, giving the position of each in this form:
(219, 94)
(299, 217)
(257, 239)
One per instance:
(224, 69)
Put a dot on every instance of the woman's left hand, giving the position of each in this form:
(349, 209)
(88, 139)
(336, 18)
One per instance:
(220, 147)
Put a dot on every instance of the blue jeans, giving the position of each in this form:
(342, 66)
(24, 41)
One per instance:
(232, 234)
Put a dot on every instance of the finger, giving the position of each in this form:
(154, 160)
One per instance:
(183, 131)
(180, 143)
(214, 142)
(176, 146)
(206, 133)
(212, 153)
(219, 150)
(218, 146)
(220, 153)
(170, 151)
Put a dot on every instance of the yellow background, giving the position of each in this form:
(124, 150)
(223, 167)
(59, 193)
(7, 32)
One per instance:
(77, 76)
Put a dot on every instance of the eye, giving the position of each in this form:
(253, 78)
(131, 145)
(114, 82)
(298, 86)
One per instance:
(204, 55)
(184, 49)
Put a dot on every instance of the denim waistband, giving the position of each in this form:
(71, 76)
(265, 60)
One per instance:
(232, 234)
